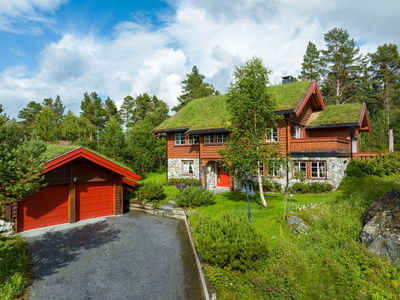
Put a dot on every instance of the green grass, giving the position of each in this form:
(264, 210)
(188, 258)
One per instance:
(14, 267)
(169, 191)
(344, 113)
(289, 95)
(54, 151)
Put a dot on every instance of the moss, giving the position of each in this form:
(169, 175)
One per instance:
(343, 113)
(289, 95)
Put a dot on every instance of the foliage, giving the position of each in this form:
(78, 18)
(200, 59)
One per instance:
(252, 110)
(193, 87)
(78, 130)
(194, 196)
(311, 68)
(21, 160)
(46, 126)
(310, 187)
(151, 191)
(93, 110)
(28, 116)
(112, 139)
(229, 241)
(186, 181)
(380, 165)
(272, 186)
(15, 269)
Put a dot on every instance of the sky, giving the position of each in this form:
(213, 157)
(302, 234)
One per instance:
(121, 47)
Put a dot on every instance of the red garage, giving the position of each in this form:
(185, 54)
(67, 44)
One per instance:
(81, 185)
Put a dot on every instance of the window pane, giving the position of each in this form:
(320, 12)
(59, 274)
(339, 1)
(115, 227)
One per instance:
(209, 139)
(321, 169)
(272, 135)
(193, 139)
(188, 167)
(180, 138)
(222, 137)
(314, 169)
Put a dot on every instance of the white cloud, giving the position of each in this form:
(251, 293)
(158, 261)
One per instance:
(214, 35)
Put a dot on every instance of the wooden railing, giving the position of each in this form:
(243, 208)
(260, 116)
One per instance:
(320, 144)
(365, 155)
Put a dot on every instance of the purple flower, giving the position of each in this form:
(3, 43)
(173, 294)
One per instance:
(178, 186)
(184, 186)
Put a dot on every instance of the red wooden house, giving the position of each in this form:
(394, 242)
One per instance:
(320, 140)
(81, 185)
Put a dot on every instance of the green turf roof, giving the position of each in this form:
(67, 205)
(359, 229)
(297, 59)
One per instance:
(344, 113)
(289, 95)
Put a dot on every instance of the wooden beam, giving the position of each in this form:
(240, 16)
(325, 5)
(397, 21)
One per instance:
(71, 194)
(121, 196)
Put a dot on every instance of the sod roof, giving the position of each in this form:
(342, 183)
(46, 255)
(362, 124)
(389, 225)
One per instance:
(289, 95)
(344, 113)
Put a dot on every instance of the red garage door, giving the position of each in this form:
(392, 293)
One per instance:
(94, 200)
(47, 207)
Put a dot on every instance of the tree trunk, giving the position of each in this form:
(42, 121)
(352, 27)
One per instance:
(260, 185)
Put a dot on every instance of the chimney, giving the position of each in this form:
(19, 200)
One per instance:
(287, 79)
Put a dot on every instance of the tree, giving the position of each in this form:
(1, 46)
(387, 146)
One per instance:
(385, 68)
(93, 110)
(127, 111)
(194, 88)
(342, 66)
(28, 116)
(22, 161)
(78, 130)
(112, 139)
(252, 116)
(46, 126)
(111, 109)
(57, 107)
(311, 67)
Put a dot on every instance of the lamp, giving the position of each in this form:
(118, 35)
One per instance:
(246, 189)
(74, 178)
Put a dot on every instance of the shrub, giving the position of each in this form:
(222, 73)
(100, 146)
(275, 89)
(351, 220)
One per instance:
(230, 241)
(183, 181)
(379, 165)
(151, 191)
(310, 187)
(193, 196)
(273, 186)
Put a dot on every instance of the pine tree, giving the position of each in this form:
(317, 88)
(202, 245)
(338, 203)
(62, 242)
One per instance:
(194, 88)
(342, 66)
(111, 109)
(112, 139)
(311, 67)
(127, 111)
(385, 68)
(93, 110)
(46, 127)
(28, 116)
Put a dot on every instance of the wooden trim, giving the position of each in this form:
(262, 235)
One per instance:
(312, 89)
(128, 181)
(81, 152)
(114, 196)
(188, 160)
(326, 169)
(71, 195)
(121, 195)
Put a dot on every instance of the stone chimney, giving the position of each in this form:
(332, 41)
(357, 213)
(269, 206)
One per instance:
(287, 79)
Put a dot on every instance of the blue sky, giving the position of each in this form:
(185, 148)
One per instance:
(120, 48)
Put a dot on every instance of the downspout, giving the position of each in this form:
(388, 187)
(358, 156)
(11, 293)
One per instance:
(287, 153)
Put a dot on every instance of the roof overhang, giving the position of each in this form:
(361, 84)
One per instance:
(172, 129)
(364, 120)
(333, 125)
(82, 152)
(313, 89)
(209, 130)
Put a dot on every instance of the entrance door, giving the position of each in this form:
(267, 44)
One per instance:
(222, 177)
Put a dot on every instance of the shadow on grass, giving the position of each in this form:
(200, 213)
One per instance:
(57, 249)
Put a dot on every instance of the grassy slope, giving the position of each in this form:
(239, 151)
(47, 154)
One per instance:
(170, 191)
(349, 112)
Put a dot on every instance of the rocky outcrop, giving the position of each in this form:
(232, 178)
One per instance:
(381, 231)
(296, 224)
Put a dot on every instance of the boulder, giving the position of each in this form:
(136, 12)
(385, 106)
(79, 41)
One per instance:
(296, 224)
(6, 227)
(381, 231)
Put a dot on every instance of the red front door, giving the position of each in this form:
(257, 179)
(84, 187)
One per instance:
(46, 207)
(222, 177)
(94, 200)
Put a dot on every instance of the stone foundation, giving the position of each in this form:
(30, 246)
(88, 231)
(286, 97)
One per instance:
(175, 167)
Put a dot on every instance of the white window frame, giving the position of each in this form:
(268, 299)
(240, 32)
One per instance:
(222, 138)
(208, 141)
(178, 138)
(272, 135)
(188, 167)
(297, 166)
(298, 132)
(320, 169)
(193, 139)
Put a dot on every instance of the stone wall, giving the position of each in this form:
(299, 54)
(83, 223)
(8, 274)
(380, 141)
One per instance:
(211, 174)
(175, 168)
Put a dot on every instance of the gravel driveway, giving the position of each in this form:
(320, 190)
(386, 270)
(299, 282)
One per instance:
(132, 256)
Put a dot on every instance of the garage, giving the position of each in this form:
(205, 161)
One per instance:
(81, 185)
(94, 200)
(47, 207)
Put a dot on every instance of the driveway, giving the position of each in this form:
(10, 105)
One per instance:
(132, 256)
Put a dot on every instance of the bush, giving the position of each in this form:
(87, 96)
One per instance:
(380, 165)
(230, 242)
(310, 187)
(273, 186)
(183, 181)
(151, 191)
(193, 196)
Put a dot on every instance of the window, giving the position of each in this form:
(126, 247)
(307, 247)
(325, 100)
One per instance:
(275, 171)
(180, 138)
(209, 139)
(193, 139)
(298, 132)
(271, 135)
(318, 169)
(300, 166)
(188, 167)
(222, 137)
(261, 171)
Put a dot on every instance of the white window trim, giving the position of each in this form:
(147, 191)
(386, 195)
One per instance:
(319, 164)
(224, 136)
(194, 139)
(272, 136)
(213, 138)
(180, 139)
(188, 163)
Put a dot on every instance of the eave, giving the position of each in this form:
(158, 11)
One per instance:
(313, 89)
(171, 129)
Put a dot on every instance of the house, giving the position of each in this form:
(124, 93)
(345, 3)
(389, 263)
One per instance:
(320, 140)
(81, 185)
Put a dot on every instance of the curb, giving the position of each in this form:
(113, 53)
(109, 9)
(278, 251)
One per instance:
(196, 255)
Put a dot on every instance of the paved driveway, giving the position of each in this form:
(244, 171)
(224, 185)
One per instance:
(132, 256)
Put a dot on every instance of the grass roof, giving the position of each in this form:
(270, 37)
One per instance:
(344, 113)
(201, 113)
(289, 95)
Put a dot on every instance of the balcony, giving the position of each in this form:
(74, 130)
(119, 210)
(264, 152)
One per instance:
(320, 144)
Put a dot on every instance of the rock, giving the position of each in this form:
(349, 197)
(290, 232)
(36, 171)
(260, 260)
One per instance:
(381, 231)
(6, 227)
(296, 224)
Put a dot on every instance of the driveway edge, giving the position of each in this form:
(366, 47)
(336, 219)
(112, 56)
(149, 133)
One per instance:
(196, 255)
